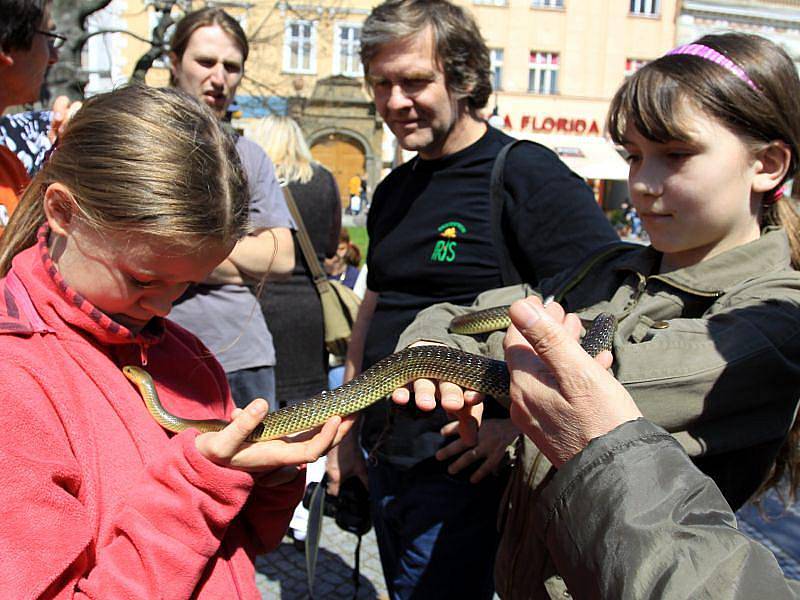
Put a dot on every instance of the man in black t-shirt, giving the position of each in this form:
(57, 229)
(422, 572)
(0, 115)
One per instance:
(431, 242)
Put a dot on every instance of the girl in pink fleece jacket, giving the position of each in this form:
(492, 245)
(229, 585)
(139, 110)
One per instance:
(143, 196)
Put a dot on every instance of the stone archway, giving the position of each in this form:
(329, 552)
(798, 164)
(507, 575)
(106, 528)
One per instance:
(343, 130)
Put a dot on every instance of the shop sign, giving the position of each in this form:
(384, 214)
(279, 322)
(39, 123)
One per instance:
(554, 125)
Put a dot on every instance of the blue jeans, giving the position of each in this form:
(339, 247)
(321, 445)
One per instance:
(335, 377)
(437, 535)
(248, 384)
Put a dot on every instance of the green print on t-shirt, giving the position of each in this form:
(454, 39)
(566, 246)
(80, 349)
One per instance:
(445, 248)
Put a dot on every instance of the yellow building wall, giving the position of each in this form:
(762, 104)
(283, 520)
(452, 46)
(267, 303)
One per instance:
(265, 28)
(593, 39)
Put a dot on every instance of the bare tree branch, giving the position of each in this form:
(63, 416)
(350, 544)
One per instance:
(158, 41)
(88, 7)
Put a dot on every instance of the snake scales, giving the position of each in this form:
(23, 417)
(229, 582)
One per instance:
(396, 370)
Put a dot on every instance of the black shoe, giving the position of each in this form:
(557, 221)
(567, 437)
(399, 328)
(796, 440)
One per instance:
(299, 544)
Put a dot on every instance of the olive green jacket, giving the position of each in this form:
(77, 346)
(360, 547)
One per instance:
(710, 352)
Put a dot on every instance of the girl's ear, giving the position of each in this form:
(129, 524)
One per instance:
(59, 209)
(174, 65)
(772, 163)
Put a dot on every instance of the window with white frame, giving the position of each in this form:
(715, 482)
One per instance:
(543, 72)
(491, 2)
(645, 7)
(300, 47)
(496, 57)
(633, 64)
(346, 48)
(547, 3)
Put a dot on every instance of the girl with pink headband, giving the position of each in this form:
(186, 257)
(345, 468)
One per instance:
(708, 341)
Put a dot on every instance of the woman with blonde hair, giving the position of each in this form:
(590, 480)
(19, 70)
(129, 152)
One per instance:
(292, 308)
(100, 501)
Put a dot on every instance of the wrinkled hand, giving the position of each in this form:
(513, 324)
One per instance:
(464, 405)
(494, 436)
(561, 398)
(229, 447)
(63, 110)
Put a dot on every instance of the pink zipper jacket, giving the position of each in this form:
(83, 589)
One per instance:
(97, 500)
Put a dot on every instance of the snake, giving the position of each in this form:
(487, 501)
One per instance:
(470, 371)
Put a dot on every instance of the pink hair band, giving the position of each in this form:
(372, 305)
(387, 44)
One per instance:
(715, 57)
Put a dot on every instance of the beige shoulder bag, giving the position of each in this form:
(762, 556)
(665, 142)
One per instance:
(339, 303)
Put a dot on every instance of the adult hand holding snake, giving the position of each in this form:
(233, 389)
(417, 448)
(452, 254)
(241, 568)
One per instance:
(561, 397)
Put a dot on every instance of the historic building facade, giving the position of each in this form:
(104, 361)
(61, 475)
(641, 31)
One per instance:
(555, 66)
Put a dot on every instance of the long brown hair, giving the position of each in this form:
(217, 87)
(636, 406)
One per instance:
(651, 100)
(141, 160)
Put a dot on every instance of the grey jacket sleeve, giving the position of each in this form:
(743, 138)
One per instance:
(432, 323)
(632, 517)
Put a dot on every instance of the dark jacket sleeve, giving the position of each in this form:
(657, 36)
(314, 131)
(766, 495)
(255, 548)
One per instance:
(632, 517)
(551, 213)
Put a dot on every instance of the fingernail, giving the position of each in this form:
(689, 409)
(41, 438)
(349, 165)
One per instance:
(529, 315)
(257, 407)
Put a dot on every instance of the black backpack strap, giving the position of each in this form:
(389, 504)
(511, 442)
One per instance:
(508, 272)
(579, 272)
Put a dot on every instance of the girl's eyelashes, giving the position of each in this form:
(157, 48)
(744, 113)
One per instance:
(139, 283)
(632, 157)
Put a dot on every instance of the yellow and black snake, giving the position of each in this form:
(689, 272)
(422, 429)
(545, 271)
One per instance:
(396, 370)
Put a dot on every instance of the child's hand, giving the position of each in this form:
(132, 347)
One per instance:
(229, 447)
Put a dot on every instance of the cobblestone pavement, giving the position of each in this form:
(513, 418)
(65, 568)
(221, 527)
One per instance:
(282, 573)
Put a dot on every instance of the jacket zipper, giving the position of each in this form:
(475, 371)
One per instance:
(231, 570)
(143, 347)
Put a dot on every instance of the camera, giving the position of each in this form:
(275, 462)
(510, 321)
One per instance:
(350, 509)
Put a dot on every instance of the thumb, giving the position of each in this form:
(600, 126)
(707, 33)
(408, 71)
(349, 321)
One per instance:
(551, 341)
(242, 425)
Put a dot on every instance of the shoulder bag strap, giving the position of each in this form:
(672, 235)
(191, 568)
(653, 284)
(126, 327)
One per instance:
(508, 272)
(317, 274)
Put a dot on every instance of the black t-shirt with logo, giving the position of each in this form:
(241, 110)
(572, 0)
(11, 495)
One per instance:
(430, 241)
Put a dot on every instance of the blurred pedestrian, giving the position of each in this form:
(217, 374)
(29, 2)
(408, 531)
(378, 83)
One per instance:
(431, 240)
(344, 265)
(207, 59)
